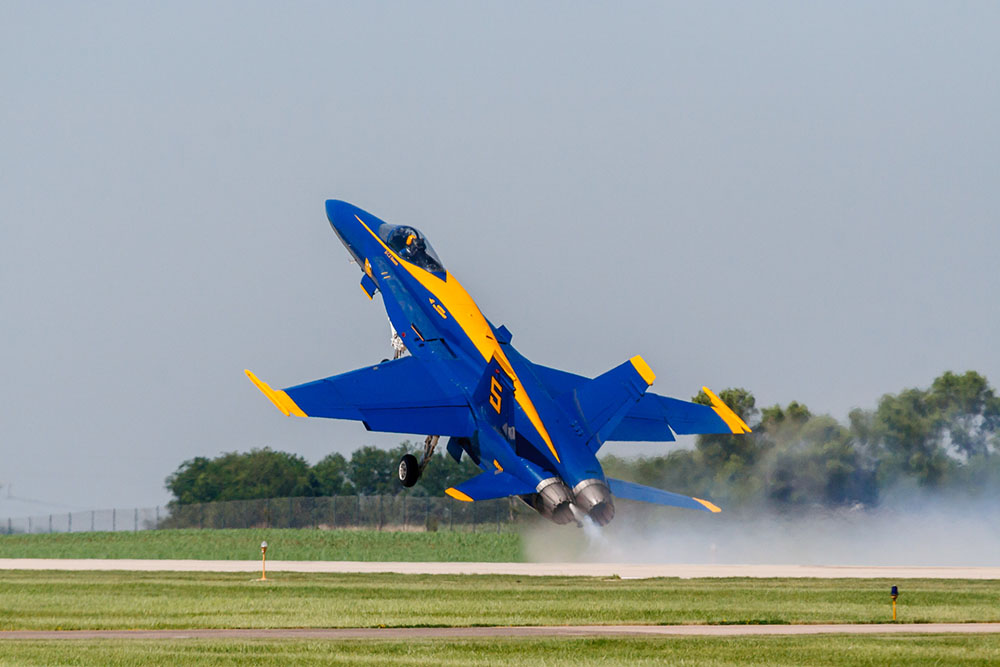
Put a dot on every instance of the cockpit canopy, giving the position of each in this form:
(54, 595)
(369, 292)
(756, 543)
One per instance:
(412, 246)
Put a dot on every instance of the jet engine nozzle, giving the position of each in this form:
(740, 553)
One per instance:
(553, 499)
(594, 497)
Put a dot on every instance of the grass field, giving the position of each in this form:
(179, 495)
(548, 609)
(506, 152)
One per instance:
(283, 544)
(141, 600)
(817, 650)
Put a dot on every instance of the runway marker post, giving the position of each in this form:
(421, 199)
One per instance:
(894, 593)
(263, 562)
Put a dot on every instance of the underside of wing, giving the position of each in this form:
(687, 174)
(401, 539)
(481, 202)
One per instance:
(407, 395)
(647, 494)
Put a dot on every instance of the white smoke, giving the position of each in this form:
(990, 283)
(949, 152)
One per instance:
(914, 531)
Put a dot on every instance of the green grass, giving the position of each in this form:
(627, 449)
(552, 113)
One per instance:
(817, 650)
(124, 600)
(283, 544)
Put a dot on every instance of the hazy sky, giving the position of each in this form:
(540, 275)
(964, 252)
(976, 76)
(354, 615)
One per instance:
(802, 200)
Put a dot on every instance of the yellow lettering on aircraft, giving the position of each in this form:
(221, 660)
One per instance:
(439, 308)
(495, 390)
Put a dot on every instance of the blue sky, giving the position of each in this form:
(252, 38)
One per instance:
(800, 200)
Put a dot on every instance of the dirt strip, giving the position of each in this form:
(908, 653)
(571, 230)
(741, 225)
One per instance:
(502, 632)
(623, 570)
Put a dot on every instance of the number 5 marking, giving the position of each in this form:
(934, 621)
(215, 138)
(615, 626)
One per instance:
(495, 390)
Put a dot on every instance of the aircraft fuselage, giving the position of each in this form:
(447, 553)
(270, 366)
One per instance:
(437, 319)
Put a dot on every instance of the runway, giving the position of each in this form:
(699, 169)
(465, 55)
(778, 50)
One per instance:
(564, 631)
(623, 570)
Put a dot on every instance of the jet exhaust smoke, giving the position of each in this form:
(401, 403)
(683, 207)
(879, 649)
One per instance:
(906, 530)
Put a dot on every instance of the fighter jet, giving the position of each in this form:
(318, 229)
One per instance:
(533, 430)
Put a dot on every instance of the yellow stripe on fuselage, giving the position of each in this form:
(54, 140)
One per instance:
(467, 315)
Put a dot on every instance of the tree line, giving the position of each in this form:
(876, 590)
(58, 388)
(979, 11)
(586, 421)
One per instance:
(945, 437)
(266, 473)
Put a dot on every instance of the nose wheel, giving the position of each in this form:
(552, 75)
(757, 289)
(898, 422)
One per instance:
(410, 469)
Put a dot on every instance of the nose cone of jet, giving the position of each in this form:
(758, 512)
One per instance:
(343, 218)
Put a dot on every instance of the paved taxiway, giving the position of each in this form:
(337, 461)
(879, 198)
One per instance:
(623, 570)
(523, 631)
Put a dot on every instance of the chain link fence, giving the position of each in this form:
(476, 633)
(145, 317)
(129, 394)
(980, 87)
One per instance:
(391, 513)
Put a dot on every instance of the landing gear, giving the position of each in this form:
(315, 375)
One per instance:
(398, 347)
(410, 469)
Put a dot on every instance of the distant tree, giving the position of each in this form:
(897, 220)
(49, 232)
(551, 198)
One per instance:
(907, 427)
(373, 471)
(936, 436)
(259, 473)
(968, 412)
(196, 480)
(331, 475)
(813, 462)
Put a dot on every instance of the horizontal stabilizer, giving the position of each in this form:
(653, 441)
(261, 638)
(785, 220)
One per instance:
(654, 418)
(647, 494)
(488, 485)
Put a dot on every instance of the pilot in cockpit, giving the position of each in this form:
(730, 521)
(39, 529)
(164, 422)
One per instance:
(410, 245)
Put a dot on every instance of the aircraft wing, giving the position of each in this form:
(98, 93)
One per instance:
(648, 494)
(406, 395)
(655, 418)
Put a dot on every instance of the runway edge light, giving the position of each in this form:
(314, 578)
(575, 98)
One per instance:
(263, 561)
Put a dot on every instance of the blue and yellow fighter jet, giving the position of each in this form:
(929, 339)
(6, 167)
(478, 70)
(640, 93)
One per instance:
(535, 431)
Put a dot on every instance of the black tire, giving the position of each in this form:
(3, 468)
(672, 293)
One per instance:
(409, 470)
